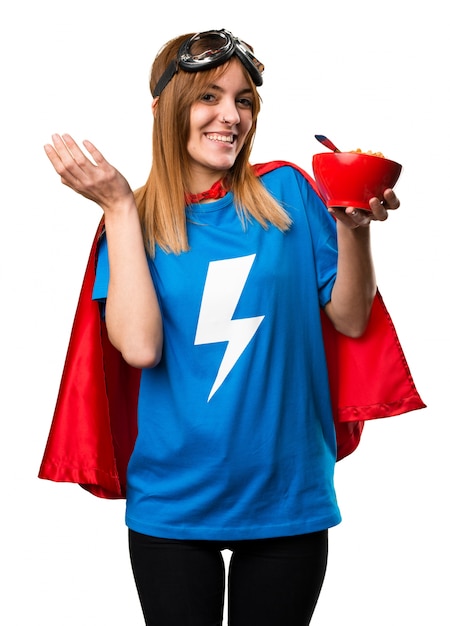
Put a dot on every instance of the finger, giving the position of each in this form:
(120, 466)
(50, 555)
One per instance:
(52, 154)
(75, 151)
(345, 216)
(63, 155)
(359, 217)
(95, 153)
(390, 200)
(58, 155)
(379, 211)
(60, 145)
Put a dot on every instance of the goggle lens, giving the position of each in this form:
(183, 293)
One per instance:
(219, 46)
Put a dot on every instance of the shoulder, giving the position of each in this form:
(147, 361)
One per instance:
(283, 169)
(287, 181)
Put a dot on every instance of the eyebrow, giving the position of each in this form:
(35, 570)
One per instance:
(215, 87)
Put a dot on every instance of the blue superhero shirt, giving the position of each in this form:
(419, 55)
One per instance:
(235, 430)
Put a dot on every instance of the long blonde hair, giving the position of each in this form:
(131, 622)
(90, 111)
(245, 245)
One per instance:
(161, 201)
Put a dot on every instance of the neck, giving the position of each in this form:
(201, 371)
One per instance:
(217, 190)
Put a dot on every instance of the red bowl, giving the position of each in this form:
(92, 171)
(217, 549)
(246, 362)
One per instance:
(352, 178)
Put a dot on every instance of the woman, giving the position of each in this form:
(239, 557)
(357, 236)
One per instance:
(217, 296)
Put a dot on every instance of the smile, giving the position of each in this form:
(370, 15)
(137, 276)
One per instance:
(222, 138)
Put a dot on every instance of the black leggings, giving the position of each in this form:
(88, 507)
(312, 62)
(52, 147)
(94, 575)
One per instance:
(272, 582)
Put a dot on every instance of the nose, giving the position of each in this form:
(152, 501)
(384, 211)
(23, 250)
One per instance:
(229, 113)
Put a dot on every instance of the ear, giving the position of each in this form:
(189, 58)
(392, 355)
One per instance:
(155, 105)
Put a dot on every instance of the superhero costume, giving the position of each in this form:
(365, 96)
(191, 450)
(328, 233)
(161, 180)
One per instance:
(94, 426)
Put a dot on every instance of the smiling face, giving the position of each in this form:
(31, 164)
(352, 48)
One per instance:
(219, 124)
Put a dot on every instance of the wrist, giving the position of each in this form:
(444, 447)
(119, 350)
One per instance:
(119, 208)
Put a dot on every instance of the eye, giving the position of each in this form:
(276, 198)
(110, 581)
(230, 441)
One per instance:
(245, 103)
(208, 97)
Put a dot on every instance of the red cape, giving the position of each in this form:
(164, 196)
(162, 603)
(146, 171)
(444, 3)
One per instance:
(94, 426)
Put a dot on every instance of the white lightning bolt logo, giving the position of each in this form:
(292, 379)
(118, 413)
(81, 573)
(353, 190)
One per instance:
(224, 284)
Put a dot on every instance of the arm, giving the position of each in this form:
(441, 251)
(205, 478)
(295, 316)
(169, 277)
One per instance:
(133, 317)
(355, 285)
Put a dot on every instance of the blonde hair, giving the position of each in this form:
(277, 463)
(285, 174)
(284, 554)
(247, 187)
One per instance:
(161, 201)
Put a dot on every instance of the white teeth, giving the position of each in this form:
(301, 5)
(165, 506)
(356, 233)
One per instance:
(224, 138)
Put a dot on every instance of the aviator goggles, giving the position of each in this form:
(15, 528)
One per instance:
(221, 47)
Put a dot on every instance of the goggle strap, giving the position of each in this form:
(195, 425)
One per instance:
(248, 61)
(166, 77)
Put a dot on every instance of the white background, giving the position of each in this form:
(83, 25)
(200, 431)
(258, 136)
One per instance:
(368, 75)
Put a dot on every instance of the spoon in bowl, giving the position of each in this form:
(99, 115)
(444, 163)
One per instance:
(326, 142)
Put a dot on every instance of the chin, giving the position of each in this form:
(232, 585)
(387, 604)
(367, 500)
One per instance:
(225, 163)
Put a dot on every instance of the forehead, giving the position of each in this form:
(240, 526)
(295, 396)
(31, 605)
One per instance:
(230, 74)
